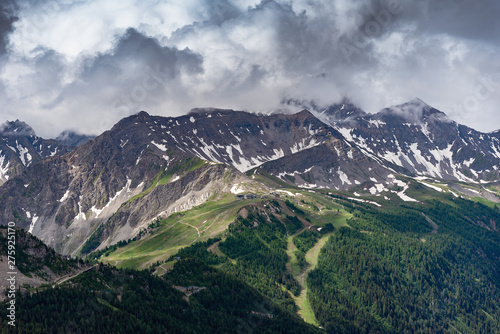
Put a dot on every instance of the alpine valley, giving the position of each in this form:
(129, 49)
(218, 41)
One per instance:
(224, 221)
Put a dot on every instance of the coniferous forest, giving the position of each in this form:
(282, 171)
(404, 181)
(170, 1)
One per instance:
(107, 300)
(423, 268)
(386, 275)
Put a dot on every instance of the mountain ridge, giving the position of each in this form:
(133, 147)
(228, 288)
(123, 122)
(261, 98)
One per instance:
(20, 147)
(424, 141)
(145, 166)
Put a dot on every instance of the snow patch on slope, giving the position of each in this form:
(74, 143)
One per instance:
(364, 201)
(405, 197)
(65, 196)
(431, 186)
(4, 168)
(236, 190)
(23, 154)
(80, 215)
(160, 146)
(33, 222)
(343, 177)
(287, 192)
(125, 189)
(302, 145)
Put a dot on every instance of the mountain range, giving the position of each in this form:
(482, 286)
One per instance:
(416, 139)
(77, 193)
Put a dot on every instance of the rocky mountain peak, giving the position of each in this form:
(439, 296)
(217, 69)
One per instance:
(343, 111)
(303, 114)
(142, 115)
(495, 133)
(16, 128)
(414, 111)
(73, 139)
(20, 148)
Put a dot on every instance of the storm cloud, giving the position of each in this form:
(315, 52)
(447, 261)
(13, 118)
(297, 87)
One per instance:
(85, 65)
(7, 18)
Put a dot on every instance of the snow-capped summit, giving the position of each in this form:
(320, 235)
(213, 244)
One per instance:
(417, 139)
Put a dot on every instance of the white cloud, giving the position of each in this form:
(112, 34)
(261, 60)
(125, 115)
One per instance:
(69, 65)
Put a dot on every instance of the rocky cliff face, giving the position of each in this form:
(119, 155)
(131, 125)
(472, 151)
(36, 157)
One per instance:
(124, 179)
(240, 139)
(333, 165)
(299, 148)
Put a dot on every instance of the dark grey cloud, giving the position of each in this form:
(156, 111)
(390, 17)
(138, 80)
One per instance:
(134, 52)
(476, 20)
(221, 11)
(137, 73)
(7, 19)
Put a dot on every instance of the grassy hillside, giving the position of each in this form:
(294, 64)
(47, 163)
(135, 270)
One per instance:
(167, 236)
(179, 230)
